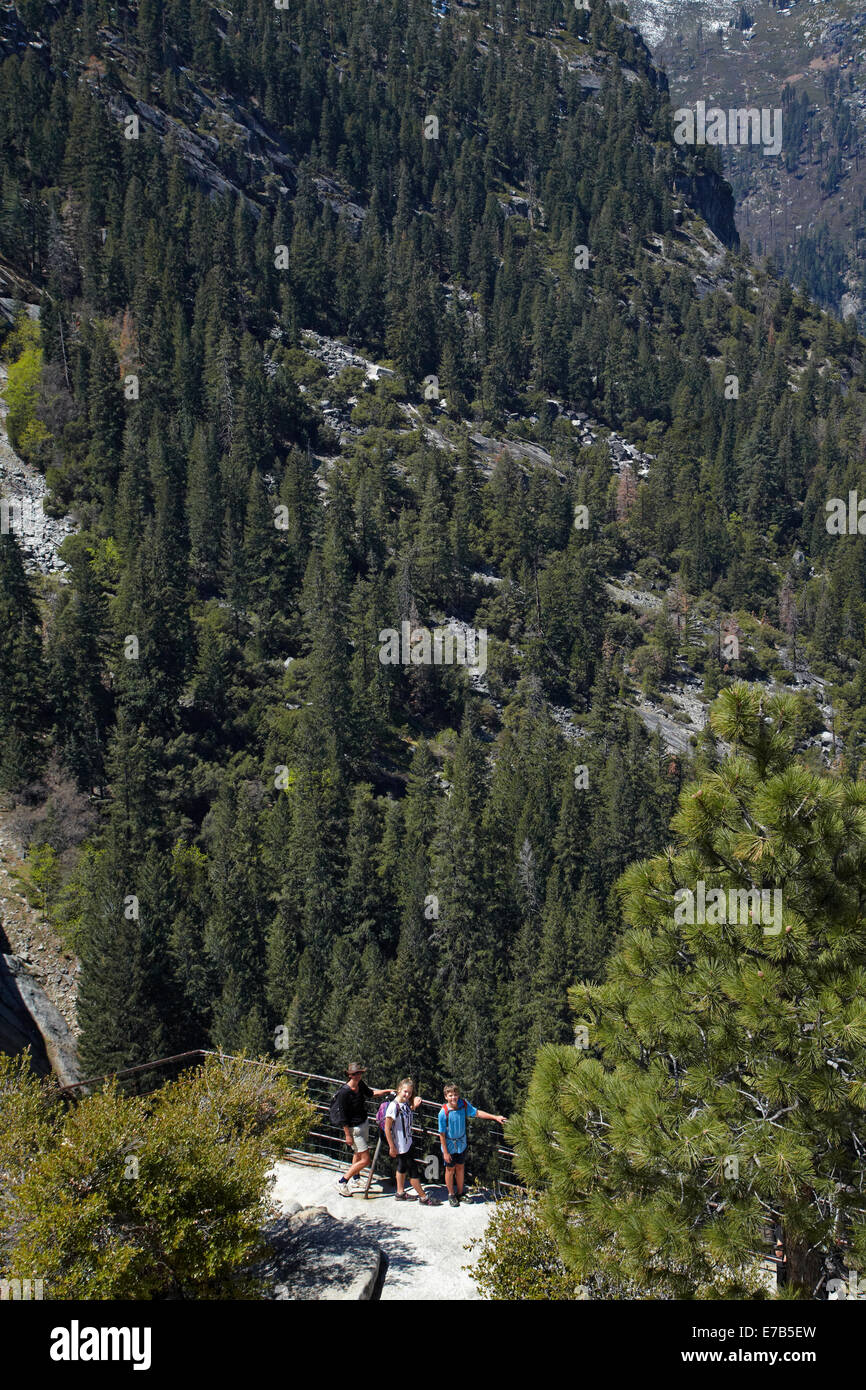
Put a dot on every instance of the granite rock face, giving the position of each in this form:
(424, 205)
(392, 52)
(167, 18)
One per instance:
(29, 1019)
(713, 198)
(315, 1256)
(17, 1029)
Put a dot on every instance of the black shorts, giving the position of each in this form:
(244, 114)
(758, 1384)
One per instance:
(405, 1161)
(457, 1160)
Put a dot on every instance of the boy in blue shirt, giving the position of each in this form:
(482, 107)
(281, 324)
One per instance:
(454, 1138)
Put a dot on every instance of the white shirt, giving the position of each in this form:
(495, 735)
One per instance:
(401, 1114)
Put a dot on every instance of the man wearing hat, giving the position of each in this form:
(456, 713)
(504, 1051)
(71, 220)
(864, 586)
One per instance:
(349, 1107)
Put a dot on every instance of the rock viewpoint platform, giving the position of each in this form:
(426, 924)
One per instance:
(425, 1247)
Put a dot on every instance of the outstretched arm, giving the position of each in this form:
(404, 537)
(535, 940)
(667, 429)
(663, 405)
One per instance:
(483, 1115)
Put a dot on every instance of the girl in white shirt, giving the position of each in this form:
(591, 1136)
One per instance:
(398, 1132)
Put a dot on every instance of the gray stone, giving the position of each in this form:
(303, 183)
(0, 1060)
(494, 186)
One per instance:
(17, 1029)
(316, 1256)
(426, 1248)
(29, 1019)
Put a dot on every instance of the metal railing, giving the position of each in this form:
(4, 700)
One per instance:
(490, 1162)
(138, 1080)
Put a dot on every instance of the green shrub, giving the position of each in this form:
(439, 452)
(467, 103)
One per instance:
(518, 1258)
(132, 1197)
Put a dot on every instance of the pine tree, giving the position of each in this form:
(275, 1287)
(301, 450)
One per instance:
(75, 675)
(234, 937)
(718, 1086)
(22, 677)
(121, 1005)
(464, 936)
(191, 965)
(204, 509)
(352, 1018)
(411, 1000)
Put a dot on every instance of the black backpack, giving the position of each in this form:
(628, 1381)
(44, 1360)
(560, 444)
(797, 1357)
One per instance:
(335, 1112)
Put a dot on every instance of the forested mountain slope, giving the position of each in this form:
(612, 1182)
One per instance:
(300, 846)
(805, 58)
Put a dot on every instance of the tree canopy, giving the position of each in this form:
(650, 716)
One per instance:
(143, 1197)
(716, 1088)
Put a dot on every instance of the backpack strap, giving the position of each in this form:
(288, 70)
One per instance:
(446, 1112)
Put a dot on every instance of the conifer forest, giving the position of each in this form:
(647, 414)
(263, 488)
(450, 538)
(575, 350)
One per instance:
(433, 619)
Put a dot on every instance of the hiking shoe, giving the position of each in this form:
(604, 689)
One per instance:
(400, 1197)
(347, 1189)
(426, 1201)
(453, 1201)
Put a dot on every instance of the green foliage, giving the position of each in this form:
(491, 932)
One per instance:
(124, 1197)
(239, 553)
(22, 674)
(517, 1259)
(721, 1086)
(27, 433)
(45, 874)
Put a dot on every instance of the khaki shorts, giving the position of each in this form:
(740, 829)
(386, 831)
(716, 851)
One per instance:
(361, 1137)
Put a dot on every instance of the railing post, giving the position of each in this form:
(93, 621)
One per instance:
(373, 1166)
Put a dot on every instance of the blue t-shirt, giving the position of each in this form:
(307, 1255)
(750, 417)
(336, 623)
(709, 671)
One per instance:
(452, 1123)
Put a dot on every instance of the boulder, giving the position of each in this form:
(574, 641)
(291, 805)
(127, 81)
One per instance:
(316, 1256)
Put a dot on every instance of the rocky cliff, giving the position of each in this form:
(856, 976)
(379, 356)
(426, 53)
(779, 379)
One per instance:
(28, 1020)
